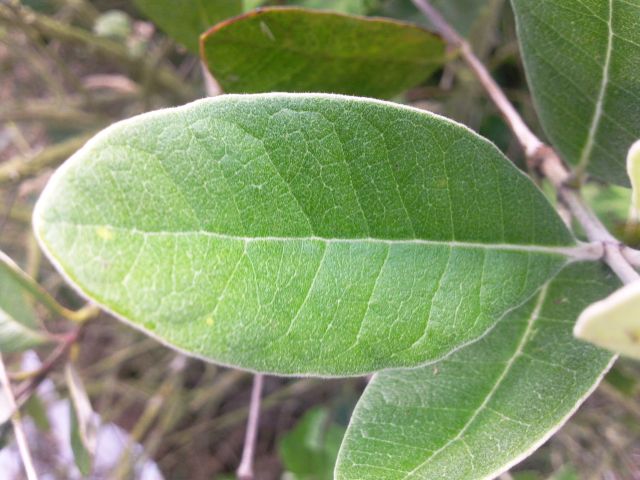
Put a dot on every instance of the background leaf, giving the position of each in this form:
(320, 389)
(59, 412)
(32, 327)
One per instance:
(301, 234)
(461, 14)
(582, 59)
(488, 406)
(186, 20)
(298, 50)
(84, 430)
(309, 451)
(19, 327)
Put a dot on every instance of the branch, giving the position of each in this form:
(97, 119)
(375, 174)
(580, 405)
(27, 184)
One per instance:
(29, 386)
(18, 431)
(539, 156)
(20, 167)
(245, 470)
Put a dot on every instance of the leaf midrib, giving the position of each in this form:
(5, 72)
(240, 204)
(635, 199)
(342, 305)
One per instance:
(569, 251)
(598, 112)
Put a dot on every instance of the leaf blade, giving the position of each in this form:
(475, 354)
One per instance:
(300, 50)
(83, 425)
(588, 106)
(19, 327)
(485, 408)
(286, 287)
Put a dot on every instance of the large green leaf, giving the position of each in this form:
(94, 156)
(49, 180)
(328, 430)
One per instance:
(186, 20)
(478, 412)
(301, 234)
(582, 59)
(19, 327)
(298, 50)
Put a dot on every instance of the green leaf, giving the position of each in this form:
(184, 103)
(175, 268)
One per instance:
(463, 15)
(298, 50)
(19, 327)
(309, 451)
(186, 20)
(633, 170)
(301, 234)
(352, 7)
(613, 323)
(84, 430)
(487, 407)
(582, 59)
(611, 204)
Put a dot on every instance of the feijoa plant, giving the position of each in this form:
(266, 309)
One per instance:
(319, 234)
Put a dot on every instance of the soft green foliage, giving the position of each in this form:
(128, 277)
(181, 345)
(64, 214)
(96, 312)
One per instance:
(614, 323)
(298, 50)
(19, 327)
(611, 203)
(633, 170)
(462, 14)
(483, 409)
(582, 59)
(186, 20)
(301, 234)
(353, 7)
(309, 451)
(83, 432)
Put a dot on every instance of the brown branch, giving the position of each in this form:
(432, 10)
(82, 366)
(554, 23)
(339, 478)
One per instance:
(539, 156)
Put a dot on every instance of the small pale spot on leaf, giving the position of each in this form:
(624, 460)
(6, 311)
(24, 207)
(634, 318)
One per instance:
(105, 233)
(209, 321)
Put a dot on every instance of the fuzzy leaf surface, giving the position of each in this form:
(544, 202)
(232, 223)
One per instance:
(299, 50)
(582, 59)
(301, 234)
(478, 412)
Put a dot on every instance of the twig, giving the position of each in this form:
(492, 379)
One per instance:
(29, 386)
(539, 156)
(30, 285)
(245, 470)
(52, 28)
(149, 415)
(21, 438)
(20, 167)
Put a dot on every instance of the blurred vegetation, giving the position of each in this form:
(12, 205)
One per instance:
(69, 68)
